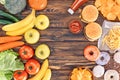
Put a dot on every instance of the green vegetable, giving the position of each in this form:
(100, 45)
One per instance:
(15, 6)
(9, 63)
(2, 1)
(5, 22)
(8, 16)
(6, 75)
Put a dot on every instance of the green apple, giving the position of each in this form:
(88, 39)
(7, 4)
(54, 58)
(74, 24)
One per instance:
(32, 36)
(42, 51)
(42, 22)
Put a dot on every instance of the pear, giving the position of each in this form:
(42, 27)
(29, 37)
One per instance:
(42, 22)
(32, 36)
(42, 51)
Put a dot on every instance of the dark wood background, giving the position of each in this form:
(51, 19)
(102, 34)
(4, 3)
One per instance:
(66, 48)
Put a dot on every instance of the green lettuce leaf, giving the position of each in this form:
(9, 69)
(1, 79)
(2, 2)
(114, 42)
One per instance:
(9, 62)
(6, 75)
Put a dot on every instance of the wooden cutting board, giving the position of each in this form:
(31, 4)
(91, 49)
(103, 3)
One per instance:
(66, 48)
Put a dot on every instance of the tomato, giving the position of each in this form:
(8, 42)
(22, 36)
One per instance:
(26, 52)
(32, 66)
(75, 26)
(20, 75)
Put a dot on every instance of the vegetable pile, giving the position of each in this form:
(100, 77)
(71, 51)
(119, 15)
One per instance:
(9, 62)
(8, 42)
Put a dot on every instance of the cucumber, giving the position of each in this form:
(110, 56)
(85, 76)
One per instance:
(9, 16)
(5, 22)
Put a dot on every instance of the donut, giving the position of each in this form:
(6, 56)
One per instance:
(91, 53)
(111, 75)
(103, 59)
(98, 71)
(117, 57)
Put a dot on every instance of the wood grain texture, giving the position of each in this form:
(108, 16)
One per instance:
(66, 48)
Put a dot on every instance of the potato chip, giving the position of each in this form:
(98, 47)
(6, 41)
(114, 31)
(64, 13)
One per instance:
(103, 1)
(109, 8)
(98, 3)
(115, 9)
(81, 74)
(118, 2)
(111, 16)
(105, 10)
(110, 3)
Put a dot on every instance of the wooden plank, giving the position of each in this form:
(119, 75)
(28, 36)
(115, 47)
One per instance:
(66, 45)
(61, 35)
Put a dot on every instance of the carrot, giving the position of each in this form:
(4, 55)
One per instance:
(10, 45)
(6, 39)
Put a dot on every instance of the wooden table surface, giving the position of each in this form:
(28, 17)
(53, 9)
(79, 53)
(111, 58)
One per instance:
(66, 48)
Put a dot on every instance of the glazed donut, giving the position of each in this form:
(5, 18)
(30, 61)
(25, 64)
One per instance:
(98, 71)
(103, 59)
(111, 75)
(117, 57)
(91, 53)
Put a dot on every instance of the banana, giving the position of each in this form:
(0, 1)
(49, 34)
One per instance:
(20, 24)
(47, 75)
(41, 72)
(22, 30)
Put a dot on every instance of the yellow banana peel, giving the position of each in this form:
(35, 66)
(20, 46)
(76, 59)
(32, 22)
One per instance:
(41, 72)
(15, 26)
(47, 75)
(22, 30)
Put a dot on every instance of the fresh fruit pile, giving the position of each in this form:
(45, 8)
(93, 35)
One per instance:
(12, 30)
(44, 73)
(15, 31)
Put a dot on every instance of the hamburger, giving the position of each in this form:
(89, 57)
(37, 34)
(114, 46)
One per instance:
(93, 31)
(89, 13)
